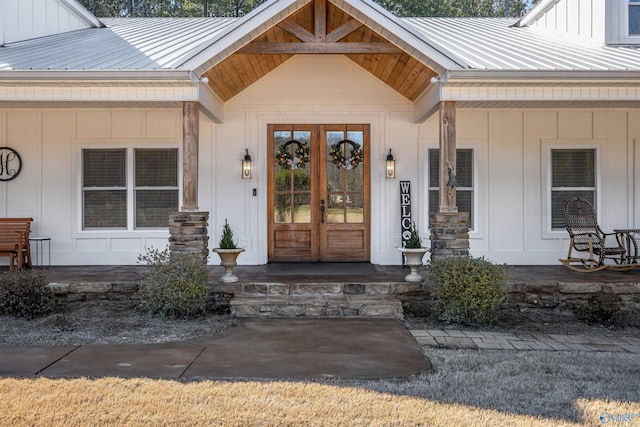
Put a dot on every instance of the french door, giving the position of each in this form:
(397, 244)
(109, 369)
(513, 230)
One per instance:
(318, 202)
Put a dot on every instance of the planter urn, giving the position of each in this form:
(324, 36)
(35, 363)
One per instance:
(414, 261)
(228, 259)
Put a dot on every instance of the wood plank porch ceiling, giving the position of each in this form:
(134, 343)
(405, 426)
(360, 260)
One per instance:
(320, 27)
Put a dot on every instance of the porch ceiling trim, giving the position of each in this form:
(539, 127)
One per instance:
(521, 90)
(94, 75)
(70, 91)
(540, 93)
(166, 88)
(540, 76)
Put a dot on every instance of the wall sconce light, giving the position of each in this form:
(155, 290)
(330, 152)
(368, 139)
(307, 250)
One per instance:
(246, 166)
(391, 166)
(453, 181)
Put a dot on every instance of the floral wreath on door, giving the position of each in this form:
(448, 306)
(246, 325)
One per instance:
(346, 162)
(294, 161)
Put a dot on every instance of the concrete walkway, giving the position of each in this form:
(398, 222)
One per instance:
(287, 349)
(256, 348)
(439, 338)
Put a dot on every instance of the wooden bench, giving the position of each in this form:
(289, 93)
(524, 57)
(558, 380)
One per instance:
(14, 241)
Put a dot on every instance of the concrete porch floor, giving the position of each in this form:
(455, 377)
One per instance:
(331, 273)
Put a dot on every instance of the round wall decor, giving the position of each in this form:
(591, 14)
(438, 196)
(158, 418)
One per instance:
(10, 164)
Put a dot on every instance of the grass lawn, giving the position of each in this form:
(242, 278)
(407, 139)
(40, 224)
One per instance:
(467, 387)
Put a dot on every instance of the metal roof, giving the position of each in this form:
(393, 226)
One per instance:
(126, 44)
(494, 44)
(163, 43)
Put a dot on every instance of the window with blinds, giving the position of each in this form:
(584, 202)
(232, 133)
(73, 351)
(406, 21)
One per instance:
(573, 174)
(464, 175)
(156, 186)
(104, 188)
(120, 195)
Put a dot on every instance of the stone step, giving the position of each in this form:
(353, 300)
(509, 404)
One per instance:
(385, 306)
(343, 289)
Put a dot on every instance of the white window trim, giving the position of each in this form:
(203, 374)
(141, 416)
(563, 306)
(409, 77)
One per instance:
(617, 23)
(130, 231)
(478, 155)
(569, 144)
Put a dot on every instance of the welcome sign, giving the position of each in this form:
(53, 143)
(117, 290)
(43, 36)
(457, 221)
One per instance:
(405, 211)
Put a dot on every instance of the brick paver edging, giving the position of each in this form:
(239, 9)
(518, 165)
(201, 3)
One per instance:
(440, 338)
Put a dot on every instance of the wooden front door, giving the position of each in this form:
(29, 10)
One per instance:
(318, 193)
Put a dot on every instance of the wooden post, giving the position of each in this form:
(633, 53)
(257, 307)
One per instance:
(449, 228)
(190, 136)
(447, 155)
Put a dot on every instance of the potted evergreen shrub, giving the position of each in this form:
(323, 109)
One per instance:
(413, 253)
(228, 252)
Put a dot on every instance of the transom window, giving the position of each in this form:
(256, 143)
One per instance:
(573, 174)
(464, 175)
(129, 188)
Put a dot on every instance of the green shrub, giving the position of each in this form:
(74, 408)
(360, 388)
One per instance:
(24, 294)
(175, 285)
(602, 309)
(468, 289)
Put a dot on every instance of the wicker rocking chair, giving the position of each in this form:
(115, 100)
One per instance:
(587, 236)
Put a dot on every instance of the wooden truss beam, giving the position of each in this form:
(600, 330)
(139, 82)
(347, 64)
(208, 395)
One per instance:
(320, 20)
(340, 48)
(297, 31)
(319, 41)
(343, 31)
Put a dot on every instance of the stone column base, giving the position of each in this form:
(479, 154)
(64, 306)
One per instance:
(449, 234)
(189, 235)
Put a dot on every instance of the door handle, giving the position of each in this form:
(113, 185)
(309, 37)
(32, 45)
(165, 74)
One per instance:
(322, 211)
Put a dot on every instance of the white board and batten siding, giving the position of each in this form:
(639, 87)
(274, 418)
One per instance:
(511, 160)
(49, 142)
(513, 154)
(29, 19)
(576, 19)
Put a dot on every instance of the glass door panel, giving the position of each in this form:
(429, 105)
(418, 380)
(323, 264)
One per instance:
(318, 198)
(292, 177)
(345, 173)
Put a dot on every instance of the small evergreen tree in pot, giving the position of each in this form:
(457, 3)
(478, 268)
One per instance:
(413, 253)
(228, 252)
(414, 241)
(226, 240)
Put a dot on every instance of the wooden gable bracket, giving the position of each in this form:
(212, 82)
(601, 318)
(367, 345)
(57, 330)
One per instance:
(320, 41)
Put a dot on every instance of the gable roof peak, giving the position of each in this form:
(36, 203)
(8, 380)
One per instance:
(271, 13)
